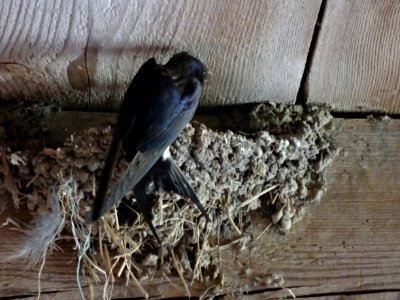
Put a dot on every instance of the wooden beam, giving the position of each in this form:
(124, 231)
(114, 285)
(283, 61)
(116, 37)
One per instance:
(356, 62)
(83, 54)
(346, 244)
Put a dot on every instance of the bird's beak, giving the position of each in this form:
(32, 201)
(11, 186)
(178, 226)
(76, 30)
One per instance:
(206, 75)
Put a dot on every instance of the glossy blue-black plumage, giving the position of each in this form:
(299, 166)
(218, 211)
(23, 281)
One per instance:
(158, 104)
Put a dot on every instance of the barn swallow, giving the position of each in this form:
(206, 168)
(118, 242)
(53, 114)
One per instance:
(159, 103)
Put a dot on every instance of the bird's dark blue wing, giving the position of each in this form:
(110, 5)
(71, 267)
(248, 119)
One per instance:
(135, 102)
(127, 116)
(154, 140)
(172, 116)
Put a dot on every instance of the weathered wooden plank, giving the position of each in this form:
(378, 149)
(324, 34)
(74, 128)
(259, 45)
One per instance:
(84, 54)
(357, 60)
(339, 296)
(350, 241)
(347, 244)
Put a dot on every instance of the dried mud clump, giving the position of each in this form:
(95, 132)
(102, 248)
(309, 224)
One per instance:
(272, 160)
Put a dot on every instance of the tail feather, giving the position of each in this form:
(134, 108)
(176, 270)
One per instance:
(144, 202)
(172, 179)
(98, 205)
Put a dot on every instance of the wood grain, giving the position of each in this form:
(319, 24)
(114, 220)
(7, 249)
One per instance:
(83, 54)
(357, 59)
(349, 243)
(346, 246)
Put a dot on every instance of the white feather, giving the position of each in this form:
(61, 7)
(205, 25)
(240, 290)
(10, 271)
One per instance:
(40, 235)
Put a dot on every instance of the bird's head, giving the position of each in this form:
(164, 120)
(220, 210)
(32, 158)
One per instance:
(188, 66)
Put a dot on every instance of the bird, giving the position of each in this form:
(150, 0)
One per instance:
(159, 102)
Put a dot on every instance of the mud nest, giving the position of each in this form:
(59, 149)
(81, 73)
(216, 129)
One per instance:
(272, 160)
